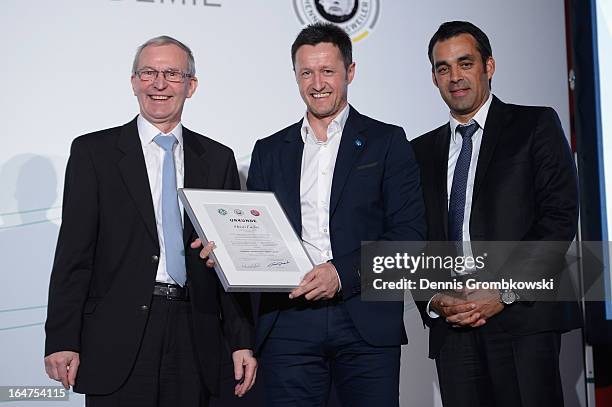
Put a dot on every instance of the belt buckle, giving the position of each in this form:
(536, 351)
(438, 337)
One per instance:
(174, 294)
(169, 295)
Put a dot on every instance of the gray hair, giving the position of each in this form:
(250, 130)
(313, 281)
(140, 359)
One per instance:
(166, 40)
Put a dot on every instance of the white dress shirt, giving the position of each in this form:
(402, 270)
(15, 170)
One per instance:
(154, 159)
(318, 162)
(454, 149)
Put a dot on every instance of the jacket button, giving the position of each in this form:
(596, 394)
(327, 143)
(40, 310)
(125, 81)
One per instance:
(154, 259)
(144, 308)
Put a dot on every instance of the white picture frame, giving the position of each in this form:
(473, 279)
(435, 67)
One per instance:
(257, 249)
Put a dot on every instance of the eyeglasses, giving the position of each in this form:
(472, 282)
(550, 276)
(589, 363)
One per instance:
(149, 75)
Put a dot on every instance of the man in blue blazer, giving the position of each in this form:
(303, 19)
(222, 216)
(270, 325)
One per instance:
(342, 178)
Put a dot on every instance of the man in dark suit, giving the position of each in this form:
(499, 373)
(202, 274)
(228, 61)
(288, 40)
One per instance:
(135, 316)
(495, 172)
(342, 178)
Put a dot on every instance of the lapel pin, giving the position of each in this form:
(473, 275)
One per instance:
(358, 143)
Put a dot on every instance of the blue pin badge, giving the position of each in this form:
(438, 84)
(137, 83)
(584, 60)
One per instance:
(359, 143)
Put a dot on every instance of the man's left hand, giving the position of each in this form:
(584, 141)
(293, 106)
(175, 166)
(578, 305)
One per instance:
(487, 302)
(245, 371)
(319, 283)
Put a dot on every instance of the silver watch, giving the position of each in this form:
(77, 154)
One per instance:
(508, 297)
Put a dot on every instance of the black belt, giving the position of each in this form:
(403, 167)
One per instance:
(171, 291)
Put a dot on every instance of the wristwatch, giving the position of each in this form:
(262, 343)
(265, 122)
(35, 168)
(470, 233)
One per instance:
(508, 297)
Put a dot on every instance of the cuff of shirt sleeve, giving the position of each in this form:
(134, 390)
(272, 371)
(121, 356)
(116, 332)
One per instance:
(337, 275)
(432, 314)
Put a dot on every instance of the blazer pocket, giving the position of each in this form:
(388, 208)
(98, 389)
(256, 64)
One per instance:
(366, 166)
(90, 306)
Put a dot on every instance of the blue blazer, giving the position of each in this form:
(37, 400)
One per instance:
(375, 195)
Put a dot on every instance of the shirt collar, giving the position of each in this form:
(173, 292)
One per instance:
(336, 125)
(480, 117)
(147, 131)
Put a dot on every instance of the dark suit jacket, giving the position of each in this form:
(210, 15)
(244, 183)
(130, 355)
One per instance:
(106, 260)
(525, 190)
(375, 195)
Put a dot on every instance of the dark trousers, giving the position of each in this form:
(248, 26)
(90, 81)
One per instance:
(486, 367)
(165, 373)
(309, 347)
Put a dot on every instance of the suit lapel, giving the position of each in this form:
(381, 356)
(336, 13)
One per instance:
(134, 173)
(291, 163)
(196, 172)
(442, 144)
(496, 120)
(352, 143)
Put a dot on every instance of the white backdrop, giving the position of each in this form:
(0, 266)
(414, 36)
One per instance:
(66, 70)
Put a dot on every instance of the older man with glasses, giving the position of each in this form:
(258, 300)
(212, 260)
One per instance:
(135, 308)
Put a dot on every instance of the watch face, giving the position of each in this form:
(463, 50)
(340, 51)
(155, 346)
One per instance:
(508, 297)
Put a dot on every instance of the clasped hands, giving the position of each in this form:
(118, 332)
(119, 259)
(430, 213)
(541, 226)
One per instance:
(467, 308)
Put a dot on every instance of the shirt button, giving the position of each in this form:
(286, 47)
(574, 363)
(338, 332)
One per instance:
(154, 259)
(324, 230)
(323, 172)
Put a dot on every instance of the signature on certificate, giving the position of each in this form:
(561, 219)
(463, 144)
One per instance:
(250, 265)
(278, 263)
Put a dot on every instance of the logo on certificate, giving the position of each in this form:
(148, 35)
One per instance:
(356, 17)
(238, 212)
(255, 212)
(222, 211)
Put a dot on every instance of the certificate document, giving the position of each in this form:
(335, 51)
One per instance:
(257, 249)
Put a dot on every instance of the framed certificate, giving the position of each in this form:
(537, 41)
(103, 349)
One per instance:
(257, 248)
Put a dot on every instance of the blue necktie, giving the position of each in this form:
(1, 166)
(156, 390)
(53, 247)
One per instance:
(456, 206)
(171, 216)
